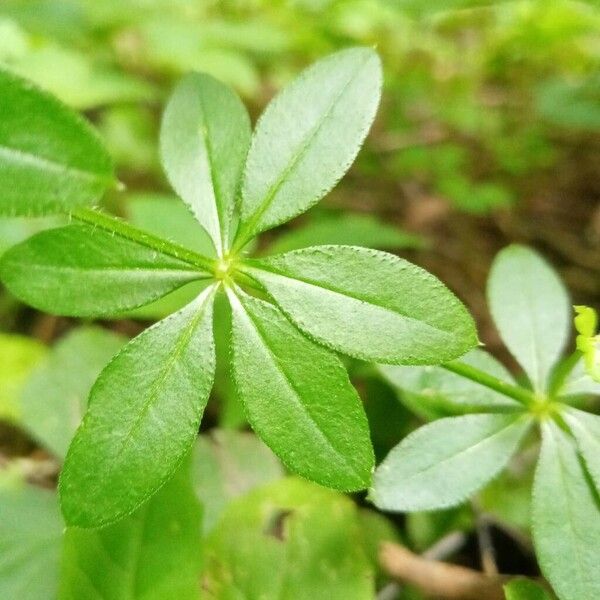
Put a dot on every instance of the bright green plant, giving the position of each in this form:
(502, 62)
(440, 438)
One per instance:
(289, 312)
(443, 463)
(588, 340)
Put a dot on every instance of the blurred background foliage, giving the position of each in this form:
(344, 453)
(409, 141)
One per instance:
(489, 132)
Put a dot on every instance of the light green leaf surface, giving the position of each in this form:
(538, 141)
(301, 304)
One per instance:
(585, 428)
(345, 229)
(298, 398)
(30, 540)
(531, 309)
(566, 519)
(18, 356)
(228, 464)
(434, 392)
(525, 589)
(204, 139)
(368, 304)
(152, 554)
(441, 464)
(55, 395)
(143, 416)
(307, 138)
(51, 160)
(80, 270)
(579, 382)
(291, 539)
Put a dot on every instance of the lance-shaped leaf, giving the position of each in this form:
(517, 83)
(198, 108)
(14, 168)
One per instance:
(51, 160)
(531, 309)
(441, 464)
(143, 416)
(153, 553)
(204, 139)
(566, 519)
(368, 304)
(82, 271)
(307, 138)
(298, 398)
(434, 392)
(585, 427)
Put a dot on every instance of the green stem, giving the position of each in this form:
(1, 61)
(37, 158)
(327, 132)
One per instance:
(129, 232)
(520, 394)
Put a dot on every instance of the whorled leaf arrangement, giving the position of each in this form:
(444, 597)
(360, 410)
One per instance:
(290, 313)
(445, 462)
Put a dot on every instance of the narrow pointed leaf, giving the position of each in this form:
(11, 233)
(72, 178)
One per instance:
(585, 427)
(204, 139)
(441, 464)
(82, 271)
(51, 160)
(308, 137)
(152, 554)
(531, 309)
(368, 304)
(566, 519)
(579, 382)
(143, 416)
(298, 398)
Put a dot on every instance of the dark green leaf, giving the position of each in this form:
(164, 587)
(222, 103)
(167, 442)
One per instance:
(298, 398)
(566, 519)
(307, 138)
(204, 139)
(51, 160)
(368, 304)
(441, 464)
(152, 554)
(143, 416)
(79, 270)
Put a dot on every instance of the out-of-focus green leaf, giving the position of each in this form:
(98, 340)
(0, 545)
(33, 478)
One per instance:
(525, 589)
(425, 529)
(148, 402)
(55, 395)
(531, 309)
(298, 397)
(18, 356)
(441, 464)
(51, 160)
(228, 464)
(152, 554)
(588, 339)
(566, 519)
(368, 304)
(345, 229)
(30, 540)
(16, 230)
(291, 539)
(434, 392)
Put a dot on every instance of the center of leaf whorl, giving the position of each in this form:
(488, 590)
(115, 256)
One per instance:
(223, 268)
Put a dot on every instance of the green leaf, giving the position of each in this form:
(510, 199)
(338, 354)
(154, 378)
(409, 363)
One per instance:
(531, 309)
(298, 398)
(80, 270)
(585, 428)
(143, 416)
(525, 589)
(441, 464)
(434, 392)
(588, 341)
(346, 229)
(54, 398)
(566, 519)
(30, 540)
(52, 160)
(228, 464)
(579, 382)
(291, 539)
(204, 139)
(18, 356)
(152, 554)
(368, 304)
(307, 138)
